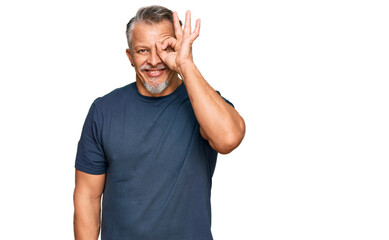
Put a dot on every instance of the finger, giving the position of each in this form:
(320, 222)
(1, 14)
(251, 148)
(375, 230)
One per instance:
(169, 42)
(177, 26)
(196, 31)
(187, 27)
(161, 53)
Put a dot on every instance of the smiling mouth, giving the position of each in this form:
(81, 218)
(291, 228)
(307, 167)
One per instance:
(154, 72)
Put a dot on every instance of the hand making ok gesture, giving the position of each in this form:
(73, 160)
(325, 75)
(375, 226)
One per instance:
(182, 44)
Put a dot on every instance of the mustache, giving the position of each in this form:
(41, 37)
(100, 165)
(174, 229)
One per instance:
(149, 67)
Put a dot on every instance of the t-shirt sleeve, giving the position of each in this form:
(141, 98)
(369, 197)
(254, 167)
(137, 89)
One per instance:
(90, 156)
(226, 100)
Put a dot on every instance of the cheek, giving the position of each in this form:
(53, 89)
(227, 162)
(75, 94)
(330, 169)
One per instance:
(139, 61)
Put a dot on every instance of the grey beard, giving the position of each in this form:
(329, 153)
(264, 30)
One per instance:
(156, 89)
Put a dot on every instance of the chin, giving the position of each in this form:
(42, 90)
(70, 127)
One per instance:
(156, 88)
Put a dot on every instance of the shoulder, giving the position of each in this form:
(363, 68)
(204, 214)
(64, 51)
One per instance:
(115, 97)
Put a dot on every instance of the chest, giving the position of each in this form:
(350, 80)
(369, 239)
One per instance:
(138, 138)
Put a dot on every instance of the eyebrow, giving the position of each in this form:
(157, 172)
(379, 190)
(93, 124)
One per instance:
(140, 46)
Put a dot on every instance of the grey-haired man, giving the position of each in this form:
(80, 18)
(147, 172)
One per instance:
(150, 148)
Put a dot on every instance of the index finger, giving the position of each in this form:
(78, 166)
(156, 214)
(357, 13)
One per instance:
(177, 26)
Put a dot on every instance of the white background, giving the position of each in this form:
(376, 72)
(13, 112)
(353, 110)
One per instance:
(310, 79)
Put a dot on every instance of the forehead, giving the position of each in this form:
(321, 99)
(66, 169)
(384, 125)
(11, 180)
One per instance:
(151, 32)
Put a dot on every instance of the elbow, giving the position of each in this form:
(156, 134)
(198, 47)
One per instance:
(226, 149)
(233, 139)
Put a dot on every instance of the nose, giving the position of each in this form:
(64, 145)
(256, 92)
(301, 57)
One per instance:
(154, 59)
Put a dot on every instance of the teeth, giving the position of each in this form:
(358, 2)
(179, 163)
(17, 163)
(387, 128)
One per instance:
(157, 71)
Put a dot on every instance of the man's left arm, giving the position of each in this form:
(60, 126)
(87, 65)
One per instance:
(220, 123)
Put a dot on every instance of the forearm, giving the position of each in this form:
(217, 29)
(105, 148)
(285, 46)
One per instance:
(221, 123)
(86, 217)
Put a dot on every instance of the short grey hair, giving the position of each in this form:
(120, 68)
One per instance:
(150, 14)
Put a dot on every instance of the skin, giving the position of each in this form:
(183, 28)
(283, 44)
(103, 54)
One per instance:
(144, 52)
(220, 124)
(87, 200)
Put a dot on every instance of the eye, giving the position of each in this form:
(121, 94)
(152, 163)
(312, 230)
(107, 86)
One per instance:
(142, 50)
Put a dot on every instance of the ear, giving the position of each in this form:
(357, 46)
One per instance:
(129, 55)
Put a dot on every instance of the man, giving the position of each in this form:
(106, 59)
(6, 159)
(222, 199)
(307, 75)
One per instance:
(151, 146)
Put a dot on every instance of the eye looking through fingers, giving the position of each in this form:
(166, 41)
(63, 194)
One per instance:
(169, 42)
(175, 50)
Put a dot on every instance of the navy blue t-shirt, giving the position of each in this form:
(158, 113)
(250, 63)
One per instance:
(158, 167)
